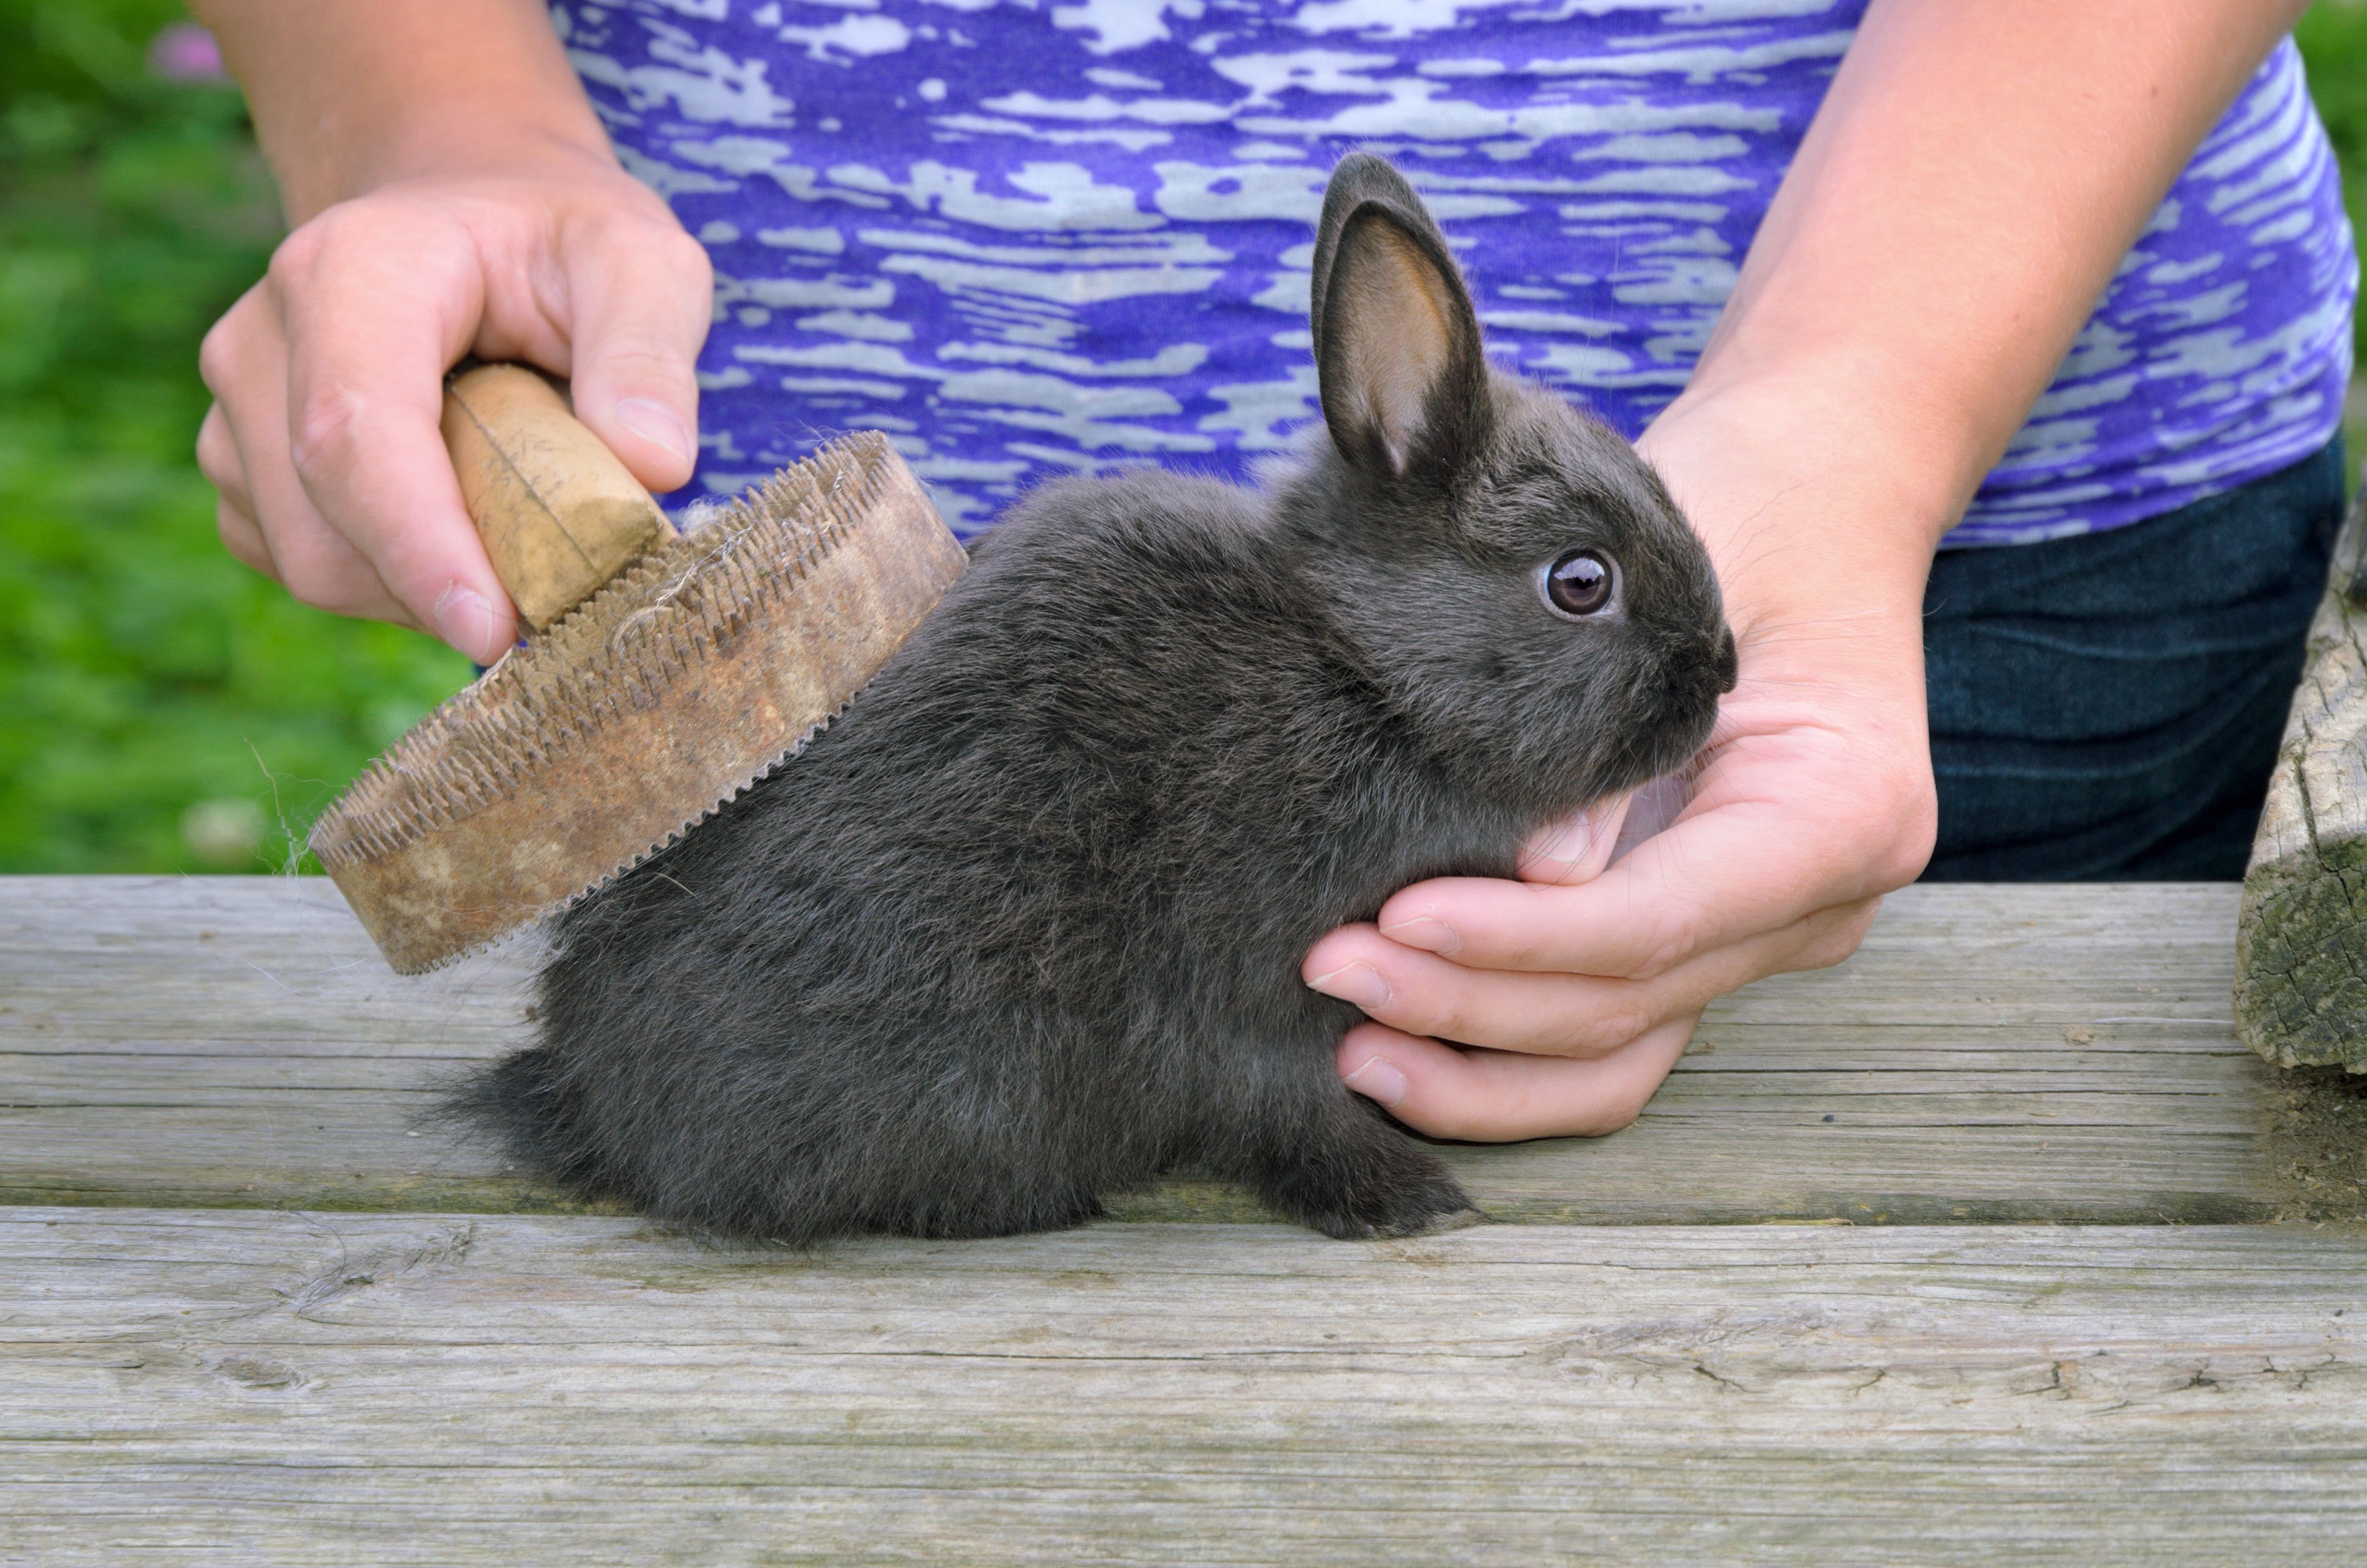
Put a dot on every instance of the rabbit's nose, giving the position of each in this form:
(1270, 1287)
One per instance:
(1727, 665)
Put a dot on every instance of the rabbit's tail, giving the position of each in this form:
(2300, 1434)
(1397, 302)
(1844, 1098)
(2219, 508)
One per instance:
(527, 1106)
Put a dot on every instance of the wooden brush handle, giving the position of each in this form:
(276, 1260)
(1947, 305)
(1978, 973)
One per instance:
(559, 514)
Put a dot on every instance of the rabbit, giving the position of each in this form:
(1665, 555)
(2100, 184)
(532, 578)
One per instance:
(1022, 927)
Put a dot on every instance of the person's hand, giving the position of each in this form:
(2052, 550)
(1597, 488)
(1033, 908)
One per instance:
(328, 375)
(1888, 334)
(1555, 1004)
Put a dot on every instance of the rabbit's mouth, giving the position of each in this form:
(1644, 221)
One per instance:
(1688, 716)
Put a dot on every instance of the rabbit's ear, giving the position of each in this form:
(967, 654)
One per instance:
(1397, 344)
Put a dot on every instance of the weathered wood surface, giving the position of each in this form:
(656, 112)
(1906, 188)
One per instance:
(1993, 1053)
(247, 1386)
(2300, 979)
(228, 1383)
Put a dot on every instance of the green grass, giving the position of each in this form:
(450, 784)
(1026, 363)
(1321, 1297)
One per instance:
(2333, 38)
(161, 708)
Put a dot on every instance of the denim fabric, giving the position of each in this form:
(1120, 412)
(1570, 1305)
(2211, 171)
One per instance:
(2108, 707)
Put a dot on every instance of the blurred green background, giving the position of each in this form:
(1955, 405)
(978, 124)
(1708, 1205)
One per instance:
(161, 708)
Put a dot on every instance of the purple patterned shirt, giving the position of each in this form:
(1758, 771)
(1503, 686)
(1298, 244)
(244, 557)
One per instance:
(1028, 238)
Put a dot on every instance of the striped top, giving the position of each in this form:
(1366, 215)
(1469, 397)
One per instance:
(1028, 238)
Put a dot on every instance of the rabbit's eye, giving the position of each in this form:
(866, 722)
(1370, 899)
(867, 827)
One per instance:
(1579, 583)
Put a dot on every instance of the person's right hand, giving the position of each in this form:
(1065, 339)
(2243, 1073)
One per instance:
(327, 376)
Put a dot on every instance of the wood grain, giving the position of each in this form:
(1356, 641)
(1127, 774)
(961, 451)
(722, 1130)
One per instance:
(2301, 976)
(1992, 1055)
(245, 1387)
(558, 512)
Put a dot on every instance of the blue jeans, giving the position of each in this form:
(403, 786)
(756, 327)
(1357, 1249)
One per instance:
(2108, 707)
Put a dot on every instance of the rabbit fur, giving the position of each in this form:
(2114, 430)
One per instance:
(1024, 927)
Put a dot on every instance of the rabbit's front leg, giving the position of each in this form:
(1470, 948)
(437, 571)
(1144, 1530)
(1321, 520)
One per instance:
(1340, 1167)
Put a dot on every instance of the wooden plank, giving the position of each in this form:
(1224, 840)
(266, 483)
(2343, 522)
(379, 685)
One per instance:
(2301, 976)
(1993, 1054)
(244, 1386)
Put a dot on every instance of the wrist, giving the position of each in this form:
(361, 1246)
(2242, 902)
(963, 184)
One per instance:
(1820, 520)
(422, 147)
(348, 100)
(443, 149)
(1864, 492)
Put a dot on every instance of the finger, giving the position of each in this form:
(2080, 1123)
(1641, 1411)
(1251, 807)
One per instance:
(638, 308)
(373, 317)
(1577, 848)
(243, 445)
(1497, 1096)
(1558, 1015)
(1569, 852)
(1723, 872)
(219, 461)
(244, 539)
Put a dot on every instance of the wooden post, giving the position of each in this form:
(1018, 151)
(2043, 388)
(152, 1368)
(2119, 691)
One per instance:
(2300, 938)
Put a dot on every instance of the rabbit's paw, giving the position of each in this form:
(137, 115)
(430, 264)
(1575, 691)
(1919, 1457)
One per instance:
(1412, 1196)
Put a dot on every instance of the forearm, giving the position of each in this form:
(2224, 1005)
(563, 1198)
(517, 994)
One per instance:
(352, 95)
(1973, 179)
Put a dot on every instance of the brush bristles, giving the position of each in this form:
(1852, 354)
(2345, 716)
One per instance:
(624, 648)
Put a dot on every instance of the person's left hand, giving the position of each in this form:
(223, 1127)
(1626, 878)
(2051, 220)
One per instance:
(1549, 1006)
(1408, 980)
(1555, 1003)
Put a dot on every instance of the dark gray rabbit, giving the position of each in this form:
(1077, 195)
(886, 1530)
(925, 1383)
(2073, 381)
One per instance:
(1024, 927)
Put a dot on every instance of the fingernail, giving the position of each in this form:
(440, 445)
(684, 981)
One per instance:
(655, 423)
(1377, 1079)
(1358, 982)
(1568, 841)
(464, 619)
(1583, 842)
(1427, 932)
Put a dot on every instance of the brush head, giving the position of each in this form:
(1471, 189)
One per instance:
(692, 674)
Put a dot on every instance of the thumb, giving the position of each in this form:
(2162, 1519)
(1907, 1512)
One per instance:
(1576, 848)
(640, 314)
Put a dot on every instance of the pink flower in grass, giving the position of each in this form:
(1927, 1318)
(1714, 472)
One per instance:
(187, 53)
